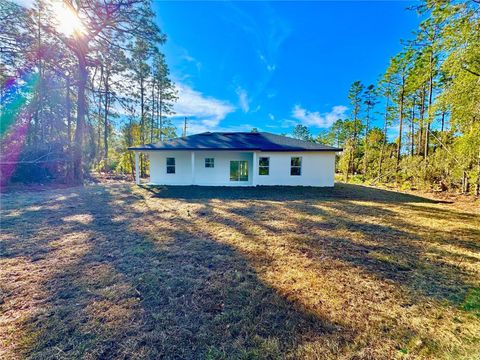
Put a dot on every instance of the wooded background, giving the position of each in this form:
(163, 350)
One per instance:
(73, 103)
(429, 101)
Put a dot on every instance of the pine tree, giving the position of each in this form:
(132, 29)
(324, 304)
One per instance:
(166, 95)
(369, 100)
(355, 96)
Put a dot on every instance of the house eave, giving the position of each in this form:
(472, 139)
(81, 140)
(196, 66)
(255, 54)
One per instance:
(135, 148)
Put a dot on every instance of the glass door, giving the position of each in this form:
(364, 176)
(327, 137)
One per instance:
(238, 170)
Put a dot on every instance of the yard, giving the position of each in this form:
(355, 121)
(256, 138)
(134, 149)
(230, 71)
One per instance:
(117, 271)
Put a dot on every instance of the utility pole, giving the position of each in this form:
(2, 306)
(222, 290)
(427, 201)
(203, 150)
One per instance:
(185, 127)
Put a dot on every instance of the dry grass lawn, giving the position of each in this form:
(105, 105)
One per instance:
(115, 271)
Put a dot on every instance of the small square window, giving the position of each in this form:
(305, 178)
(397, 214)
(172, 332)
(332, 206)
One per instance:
(170, 165)
(263, 166)
(209, 162)
(296, 166)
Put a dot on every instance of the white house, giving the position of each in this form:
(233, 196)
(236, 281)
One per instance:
(238, 159)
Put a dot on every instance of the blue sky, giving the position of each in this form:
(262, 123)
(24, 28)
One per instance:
(240, 65)
(273, 65)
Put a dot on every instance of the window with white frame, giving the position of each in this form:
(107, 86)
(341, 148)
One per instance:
(296, 166)
(209, 162)
(170, 165)
(263, 165)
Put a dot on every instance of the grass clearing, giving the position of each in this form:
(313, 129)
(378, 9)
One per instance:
(217, 273)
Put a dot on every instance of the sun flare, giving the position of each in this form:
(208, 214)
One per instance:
(68, 22)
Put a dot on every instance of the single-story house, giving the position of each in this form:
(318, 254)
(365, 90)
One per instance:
(238, 159)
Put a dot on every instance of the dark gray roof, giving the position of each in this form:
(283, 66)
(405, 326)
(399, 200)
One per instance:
(261, 141)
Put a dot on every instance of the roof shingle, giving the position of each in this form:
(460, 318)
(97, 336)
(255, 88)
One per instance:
(261, 141)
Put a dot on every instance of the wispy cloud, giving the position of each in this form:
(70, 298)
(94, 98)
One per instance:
(190, 59)
(271, 39)
(266, 35)
(271, 116)
(270, 67)
(243, 99)
(204, 112)
(317, 119)
(271, 94)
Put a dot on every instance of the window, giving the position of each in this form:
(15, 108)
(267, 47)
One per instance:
(238, 170)
(263, 165)
(209, 162)
(170, 165)
(296, 166)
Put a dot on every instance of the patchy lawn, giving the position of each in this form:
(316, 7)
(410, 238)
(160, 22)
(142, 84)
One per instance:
(115, 271)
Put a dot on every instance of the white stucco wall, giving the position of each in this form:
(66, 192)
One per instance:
(158, 168)
(318, 168)
(218, 175)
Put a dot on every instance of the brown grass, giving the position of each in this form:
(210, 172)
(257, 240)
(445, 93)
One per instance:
(115, 271)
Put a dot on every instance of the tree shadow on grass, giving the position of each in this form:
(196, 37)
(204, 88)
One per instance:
(165, 282)
(150, 285)
(332, 242)
(374, 239)
(280, 193)
(391, 247)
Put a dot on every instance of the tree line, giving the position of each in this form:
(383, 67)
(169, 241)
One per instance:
(428, 101)
(80, 82)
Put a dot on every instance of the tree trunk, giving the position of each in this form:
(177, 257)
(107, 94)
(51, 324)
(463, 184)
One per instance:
(382, 149)
(68, 109)
(465, 186)
(350, 165)
(153, 111)
(399, 148)
(348, 145)
(477, 184)
(142, 122)
(160, 108)
(39, 93)
(365, 155)
(430, 98)
(81, 110)
(105, 120)
(412, 129)
(420, 128)
(132, 165)
(98, 154)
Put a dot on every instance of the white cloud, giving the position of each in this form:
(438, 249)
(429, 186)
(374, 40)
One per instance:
(317, 119)
(243, 99)
(271, 116)
(204, 113)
